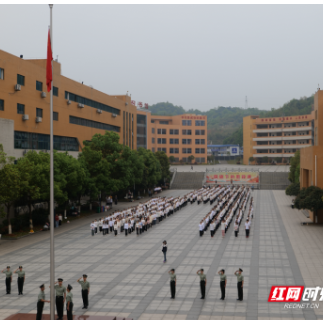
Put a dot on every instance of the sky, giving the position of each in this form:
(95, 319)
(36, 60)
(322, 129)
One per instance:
(195, 56)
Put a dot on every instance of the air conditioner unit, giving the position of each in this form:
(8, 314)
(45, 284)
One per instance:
(99, 111)
(43, 95)
(80, 105)
(25, 117)
(114, 115)
(39, 119)
(17, 87)
(69, 102)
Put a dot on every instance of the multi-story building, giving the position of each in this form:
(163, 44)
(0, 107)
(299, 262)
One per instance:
(79, 110)
(276, 137)
(180, 136)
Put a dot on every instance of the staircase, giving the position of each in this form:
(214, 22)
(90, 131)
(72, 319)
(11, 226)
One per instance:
(273, 180)
(187, 180)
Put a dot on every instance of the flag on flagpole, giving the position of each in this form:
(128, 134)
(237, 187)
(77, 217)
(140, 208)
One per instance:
(49, 73)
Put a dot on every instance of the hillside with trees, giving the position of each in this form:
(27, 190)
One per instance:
(225, 123)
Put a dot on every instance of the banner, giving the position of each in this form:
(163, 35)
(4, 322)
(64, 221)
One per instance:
(235, 177)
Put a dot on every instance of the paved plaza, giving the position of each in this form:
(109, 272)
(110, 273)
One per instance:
(129, 279)
(223, 167)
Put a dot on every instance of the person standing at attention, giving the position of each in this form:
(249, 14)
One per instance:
(202, 282)
(40, 303)
(247, 225)
(172, 277)
(85, 291)
(92, 228)
(8, 274)
(164, 250)
(223, 225)
(69, 302)
(20, 280)
(236, 228)
(240, 281)
(60, 298)
(223, 283)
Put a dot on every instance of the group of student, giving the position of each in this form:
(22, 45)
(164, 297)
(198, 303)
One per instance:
(231, 203)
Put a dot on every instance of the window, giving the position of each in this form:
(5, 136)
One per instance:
(186, 132)
(152, 140)
(199, 141)
(152, 121)
(186, 150)
(39, 112)
(20, 108)
(199, 150)
(1, 73)
(162, 140)
(161, 131)
(152, 130)
(173, 131)
(162, 149)
(55, 90)
(91, 103)
(93, 124)
(200, 159)
(153, 150)
(173, 150)
(163, 122)
(39, 86)
(20, 79)
(199, 122)
(1, 105)
(55, 116)
(26, 140)
(173, 141)
(200, 132)
(186, 122)
(186, 141)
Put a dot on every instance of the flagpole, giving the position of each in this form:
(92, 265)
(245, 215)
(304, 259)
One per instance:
(51, 142)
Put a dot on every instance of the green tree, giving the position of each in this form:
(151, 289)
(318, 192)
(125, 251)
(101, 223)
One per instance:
(294, 169)
(172, 159)
(164, 163)
(309, 198)
(265, 159)
(9, 189)
(4, 159)
(251, 159)
(211, 158)
(191, 158)
(293, 189)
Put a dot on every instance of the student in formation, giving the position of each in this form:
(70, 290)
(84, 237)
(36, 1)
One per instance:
(115, 228)
(85, 290)
(202, 282)
(223, 283)
(60, 297)
(240, 281)
(247, 225)
(164, 250)
(20, 280)
(69, 302)
(40, 302)
(236, 228)
(125, 226)
(8, 274)
(223, 226)
(172, 277)
(92, 226)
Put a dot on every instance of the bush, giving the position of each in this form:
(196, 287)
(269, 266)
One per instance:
(293, 189)
(39, 216)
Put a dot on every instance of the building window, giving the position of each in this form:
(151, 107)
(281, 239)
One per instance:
(93, 124)
(186, 122)
(1, 73)
(39, 112)
(200, 132)
(55, 90)
(199, 150)
(199, 122)
(1, 105)
(20, 108)
(152, 130)
(186, 132)
(39, 86)
(55, 116)
(152, 121)
(163, 122)
(161, 131)
(173, 150)
(20, 79)
(173, 131)
(152, 140)
(186, 141)
(174, 141)
(91, 103)
(26, 140)
(153, 150)
(161, 140)
(200, 159)
(199, 141)
(162, 149)
(186, 150)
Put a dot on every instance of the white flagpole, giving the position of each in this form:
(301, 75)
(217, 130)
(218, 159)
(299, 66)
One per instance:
(51, 142)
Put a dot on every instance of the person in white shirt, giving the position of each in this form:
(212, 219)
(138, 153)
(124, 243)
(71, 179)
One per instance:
(247, 225)
(125, 229)
(223, 225)
(236, 228)
(212, 228)
(100, 225)
(92, 225)
(115, 227)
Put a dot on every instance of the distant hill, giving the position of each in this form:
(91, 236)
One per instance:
(225, 123)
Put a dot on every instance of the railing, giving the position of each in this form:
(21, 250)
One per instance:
(232, 170)
(174, 170)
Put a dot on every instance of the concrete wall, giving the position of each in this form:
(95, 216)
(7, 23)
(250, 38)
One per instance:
(7, 136)
(273, 180)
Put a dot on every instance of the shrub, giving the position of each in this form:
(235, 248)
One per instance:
(293, 189)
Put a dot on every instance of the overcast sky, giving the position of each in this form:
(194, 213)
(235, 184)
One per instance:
(196, 56)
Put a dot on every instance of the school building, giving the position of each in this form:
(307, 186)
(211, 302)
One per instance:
(179, 136)
(278, 137)
(79, 110)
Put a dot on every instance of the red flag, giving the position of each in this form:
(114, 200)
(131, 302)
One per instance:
(49, 73)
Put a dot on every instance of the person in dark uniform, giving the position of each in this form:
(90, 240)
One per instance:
(240, 281)
(8, 274)
(172, 277)
(202, 282)
(85, 290)
(40, 303)
(60, 297)
(223, 283)
(69, 302)
(20, 280)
